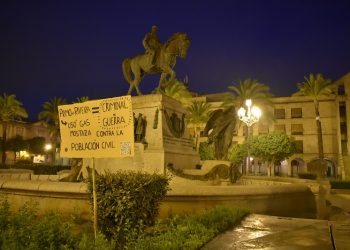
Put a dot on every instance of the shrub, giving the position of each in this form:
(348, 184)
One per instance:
(206, 151)
(309, 176)
(190, 232)
(237, 154)
(127, 203)
(340, 184)
(25, 230)
(101, 243)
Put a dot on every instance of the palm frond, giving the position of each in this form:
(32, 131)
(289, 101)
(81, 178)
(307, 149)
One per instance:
(315, 87)
(11, 108)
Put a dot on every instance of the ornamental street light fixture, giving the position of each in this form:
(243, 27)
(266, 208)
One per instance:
(47, 148)
(249, 117)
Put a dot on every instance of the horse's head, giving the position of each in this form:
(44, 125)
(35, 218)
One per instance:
(178, 44)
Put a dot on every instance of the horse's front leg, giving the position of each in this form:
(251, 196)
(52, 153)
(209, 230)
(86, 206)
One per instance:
(163, 78)
(162, 81)
(130, 89)
(137, 79)
(136, 84)
(172, 75)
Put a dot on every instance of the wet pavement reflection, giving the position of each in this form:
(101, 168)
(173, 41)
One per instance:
(271, 232)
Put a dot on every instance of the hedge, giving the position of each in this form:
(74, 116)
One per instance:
(340, 184)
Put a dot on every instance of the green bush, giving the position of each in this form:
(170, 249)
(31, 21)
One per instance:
(101, 243)
(206, 151)
(25, 230)
(190, 232)
(37, 168)
(309, 176)
(340, 184)
(127, 203)
(237, 154)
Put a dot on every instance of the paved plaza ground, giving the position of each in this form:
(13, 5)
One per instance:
(272, 232)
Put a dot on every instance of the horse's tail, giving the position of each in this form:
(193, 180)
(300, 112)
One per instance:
(127, 70)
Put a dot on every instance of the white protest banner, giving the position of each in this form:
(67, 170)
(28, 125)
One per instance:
(98, 128)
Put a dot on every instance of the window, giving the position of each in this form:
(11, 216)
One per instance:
(342, 109)
(280, 114)
(343, 129)
(263, 129)
(299, 147)
(296, 112)
(297, 129)
(41, 132)
(280, 128)
(19, 131)
(344, 147)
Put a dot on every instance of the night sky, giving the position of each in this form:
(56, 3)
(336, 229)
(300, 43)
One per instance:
(75, 48)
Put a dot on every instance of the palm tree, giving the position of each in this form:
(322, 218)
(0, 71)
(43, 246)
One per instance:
(10, 109)
(199, 112)
(50, 116)
(82, 99)
(178, 91)
(315, 87)
(250, 89)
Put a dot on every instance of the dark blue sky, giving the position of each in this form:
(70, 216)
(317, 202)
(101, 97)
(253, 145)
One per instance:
(75, 48)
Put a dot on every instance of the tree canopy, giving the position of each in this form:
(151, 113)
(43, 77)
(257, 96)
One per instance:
(272, 148)
(315, 86)
(10, 109)
(198, 114)
(258, 92)
(37, 145)
(237, 153)
(248, 89)
(178, 91)
(50, 116)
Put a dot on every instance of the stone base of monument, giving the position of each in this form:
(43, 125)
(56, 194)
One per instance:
(163, 138)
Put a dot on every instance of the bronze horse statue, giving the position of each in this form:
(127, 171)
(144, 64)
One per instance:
(141, 65)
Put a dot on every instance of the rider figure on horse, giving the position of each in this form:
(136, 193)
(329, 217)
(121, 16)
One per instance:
(152, 44)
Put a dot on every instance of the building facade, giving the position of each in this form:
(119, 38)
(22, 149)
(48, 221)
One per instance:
(26, 130)
(296, 117)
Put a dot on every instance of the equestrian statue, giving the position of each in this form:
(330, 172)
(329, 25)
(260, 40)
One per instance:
(158, 58)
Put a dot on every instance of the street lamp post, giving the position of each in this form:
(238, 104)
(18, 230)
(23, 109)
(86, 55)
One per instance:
(47, 148)
(249, 117)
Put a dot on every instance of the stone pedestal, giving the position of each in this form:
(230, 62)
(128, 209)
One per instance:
(166, 139)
